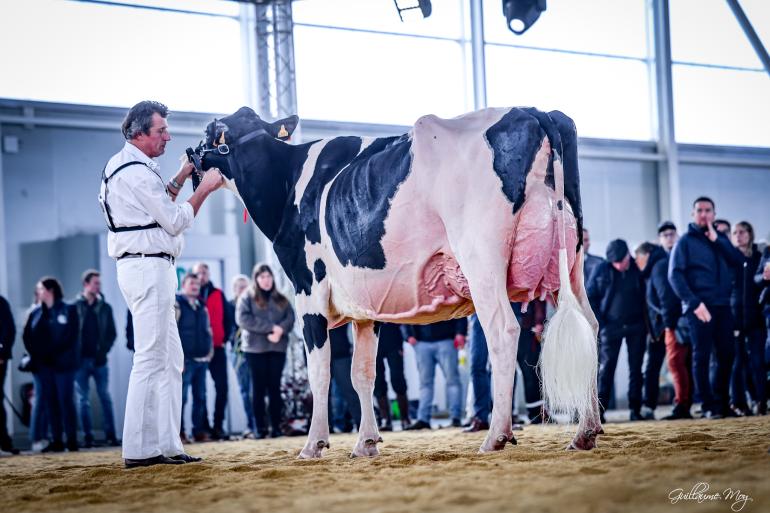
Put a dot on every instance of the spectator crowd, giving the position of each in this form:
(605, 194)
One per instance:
(698, 302)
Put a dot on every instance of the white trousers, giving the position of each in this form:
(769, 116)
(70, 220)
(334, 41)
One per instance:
(154, 402)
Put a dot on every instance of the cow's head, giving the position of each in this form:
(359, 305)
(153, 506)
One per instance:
(225, 136)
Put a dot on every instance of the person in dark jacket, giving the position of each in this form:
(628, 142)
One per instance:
(433, 344)
(750, 327)
(344, 399)
(664, 312)
(701, 273)
(7, 338)
(51, 339)
(221, 316)
(617, 290)
(390, 347)
(266, 319)
(97, 334)
(590, 262)
(195, 334)
(239, 284)
(762, 278)
(528, 357)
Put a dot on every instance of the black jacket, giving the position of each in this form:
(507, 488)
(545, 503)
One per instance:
(590, 263)
(442, 330)
(194, 328)
(104, 320)
(744, 301)
(340, 343)
(701, 271)
(7, 331)
(51, 336)
(764, 285)
(389, 338)
(603, 289)
(663, 306)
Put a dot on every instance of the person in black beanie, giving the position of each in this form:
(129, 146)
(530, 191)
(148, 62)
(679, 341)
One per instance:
(617, 290)
(701, 273)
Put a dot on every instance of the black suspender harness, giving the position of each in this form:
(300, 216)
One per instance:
(106, 207)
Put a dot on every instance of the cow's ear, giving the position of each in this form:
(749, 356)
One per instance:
(283, 128)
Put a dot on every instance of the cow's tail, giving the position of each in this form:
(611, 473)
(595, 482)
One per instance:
(568, 360)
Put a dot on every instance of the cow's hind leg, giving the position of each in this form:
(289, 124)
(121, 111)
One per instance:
(589, 426)
(363, 372)
(486, 279)
(314, 328)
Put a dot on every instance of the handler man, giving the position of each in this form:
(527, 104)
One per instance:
(145, 238)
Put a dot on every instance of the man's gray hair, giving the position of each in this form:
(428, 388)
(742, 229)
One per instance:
(139, 118)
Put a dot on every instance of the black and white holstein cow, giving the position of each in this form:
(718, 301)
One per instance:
(457, 215)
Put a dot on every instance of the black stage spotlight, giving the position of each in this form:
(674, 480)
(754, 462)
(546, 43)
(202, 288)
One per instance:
(423, 5)
(522, 14)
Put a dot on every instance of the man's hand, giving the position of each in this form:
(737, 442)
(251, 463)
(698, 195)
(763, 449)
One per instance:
(766, 272)
(711, 234)
(702, 313)
(669, 336)
(186, 169)
(276, 335)
(212, 180)
(412, 341)
(459, 341)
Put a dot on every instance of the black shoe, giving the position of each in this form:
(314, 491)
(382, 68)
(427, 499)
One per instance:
(88, 443)
(710, 415)
(54, 447)
(476, 425)
(73, 447)
(276, 433)
(418, 426)
(186, 458)
(9, 448)
(635, 415)
(456, 423)
(218, 434)
(387, 426)
(155, 460)
(113, 442)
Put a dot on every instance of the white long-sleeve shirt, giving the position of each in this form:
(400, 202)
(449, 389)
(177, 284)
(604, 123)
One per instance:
(137, 197)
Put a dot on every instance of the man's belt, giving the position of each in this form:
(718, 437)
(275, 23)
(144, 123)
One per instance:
(165, 256)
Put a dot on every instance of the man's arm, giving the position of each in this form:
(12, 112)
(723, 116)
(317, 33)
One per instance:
(729, 252)
(8, 334)
(677, 266)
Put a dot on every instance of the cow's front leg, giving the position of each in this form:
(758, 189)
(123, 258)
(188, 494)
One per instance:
(319, 375)
(362, 375)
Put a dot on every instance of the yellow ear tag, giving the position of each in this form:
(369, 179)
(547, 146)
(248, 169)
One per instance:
(283, 132)
(222, 138)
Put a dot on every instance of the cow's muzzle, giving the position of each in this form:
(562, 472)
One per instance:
(197, 158)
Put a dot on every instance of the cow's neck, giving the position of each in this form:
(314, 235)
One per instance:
(268, 171)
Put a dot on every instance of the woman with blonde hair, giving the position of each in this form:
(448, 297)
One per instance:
(265, 318)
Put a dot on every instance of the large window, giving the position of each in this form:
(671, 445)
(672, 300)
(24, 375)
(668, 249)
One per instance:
(101, 54)
(721, 91)
(585, 58)
(356, 61)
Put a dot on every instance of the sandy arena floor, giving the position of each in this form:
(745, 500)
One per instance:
(635, 468)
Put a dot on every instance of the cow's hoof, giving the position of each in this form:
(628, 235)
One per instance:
(497, 444)
(366, 448)
(585, 441)
(313, 450)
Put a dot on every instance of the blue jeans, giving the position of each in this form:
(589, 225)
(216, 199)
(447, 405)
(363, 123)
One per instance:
(38, 427)
(195, 374)
(100, 374)
(58, 389)
(243, 374)
(480, 376)
(443, 353)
